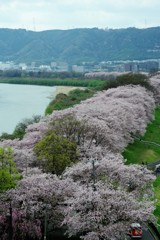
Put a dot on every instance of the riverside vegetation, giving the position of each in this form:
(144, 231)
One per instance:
(54, 82)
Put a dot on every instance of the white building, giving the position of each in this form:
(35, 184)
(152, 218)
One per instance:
(79, 69)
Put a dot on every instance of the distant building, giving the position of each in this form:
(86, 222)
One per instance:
(78, 69)
(5, 66)
(149, 66)
(45, 68)
(141, 66)
(146, 66)
(62, 67)
(53, 65)
(23, 66)
(33, 64)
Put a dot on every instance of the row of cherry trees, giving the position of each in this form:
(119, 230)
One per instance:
(155, 83)
(99, 196)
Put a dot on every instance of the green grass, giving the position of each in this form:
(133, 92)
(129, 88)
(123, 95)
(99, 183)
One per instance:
(157, 197)
(93, 83)
(130, 78)
(139, 152)
(63, 101)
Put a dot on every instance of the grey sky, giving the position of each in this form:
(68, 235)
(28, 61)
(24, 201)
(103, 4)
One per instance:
(66, 14)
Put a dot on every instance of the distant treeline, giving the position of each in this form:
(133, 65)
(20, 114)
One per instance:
(54, 82)
(39, 74)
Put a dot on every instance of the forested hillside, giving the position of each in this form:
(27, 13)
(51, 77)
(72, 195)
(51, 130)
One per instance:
(79, 45)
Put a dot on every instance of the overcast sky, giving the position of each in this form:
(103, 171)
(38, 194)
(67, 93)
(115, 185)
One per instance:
(67, 14)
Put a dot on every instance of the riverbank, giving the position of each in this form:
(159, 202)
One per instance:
(64, 89)
(68, 97)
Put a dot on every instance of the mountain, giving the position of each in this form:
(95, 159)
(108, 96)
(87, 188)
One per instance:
(79, 45)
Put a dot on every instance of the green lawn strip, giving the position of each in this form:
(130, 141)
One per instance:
(139, 153)
(156, 186)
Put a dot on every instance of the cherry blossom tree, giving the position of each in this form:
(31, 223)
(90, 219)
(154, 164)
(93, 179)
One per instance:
(105, 213)
(35, 194)
(22, 226)
(110, 168)
(155, 82)
(108, 197)
(102, 75)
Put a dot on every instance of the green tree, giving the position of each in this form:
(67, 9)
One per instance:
(20, 129)
(130, 78)
(6, 135)
(55, 153)
(8, 171)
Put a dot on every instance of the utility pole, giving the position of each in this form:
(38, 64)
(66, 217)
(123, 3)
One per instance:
(26, 166)
(10, 232)
(45, 223)
(10, 212)
(94, 175)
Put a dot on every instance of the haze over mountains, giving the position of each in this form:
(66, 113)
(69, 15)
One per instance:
(79, 45)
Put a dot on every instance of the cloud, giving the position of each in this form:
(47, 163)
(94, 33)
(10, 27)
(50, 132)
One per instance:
(64, 14)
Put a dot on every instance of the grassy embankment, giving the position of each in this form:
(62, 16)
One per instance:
(140, 152)
(63, 101)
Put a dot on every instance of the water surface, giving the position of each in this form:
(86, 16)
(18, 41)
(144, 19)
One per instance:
(18, 102)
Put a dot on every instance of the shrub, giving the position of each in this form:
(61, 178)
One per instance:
(129, 79)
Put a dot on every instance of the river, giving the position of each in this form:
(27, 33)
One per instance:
(18, 102)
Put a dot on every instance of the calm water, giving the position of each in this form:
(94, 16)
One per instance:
(21, 101)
